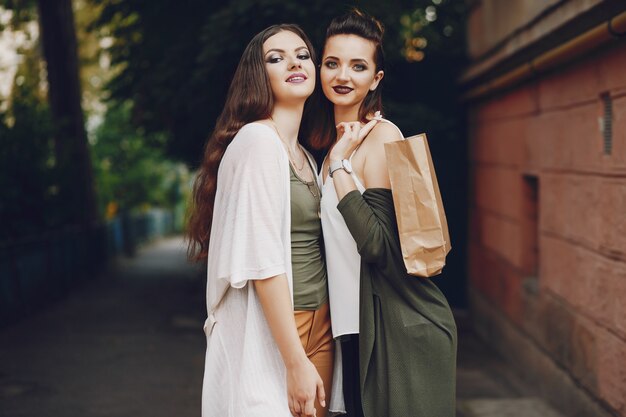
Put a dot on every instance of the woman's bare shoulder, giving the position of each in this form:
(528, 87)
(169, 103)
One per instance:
(375, 171)
(384, 132)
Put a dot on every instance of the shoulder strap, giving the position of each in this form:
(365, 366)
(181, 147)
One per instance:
(377, 116)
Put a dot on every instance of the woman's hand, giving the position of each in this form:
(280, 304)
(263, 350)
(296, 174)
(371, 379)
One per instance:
(304, 384)
(350, 134)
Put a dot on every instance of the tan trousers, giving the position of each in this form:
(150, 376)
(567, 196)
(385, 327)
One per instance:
(317, 338)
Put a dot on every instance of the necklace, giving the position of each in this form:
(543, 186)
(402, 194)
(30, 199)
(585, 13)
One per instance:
(312, 186)
(293, 162)
(292, 159)
(315, 191)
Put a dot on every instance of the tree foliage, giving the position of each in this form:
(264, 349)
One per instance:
(128, 173)
(60, 50)
(175, 58)
(28, 178)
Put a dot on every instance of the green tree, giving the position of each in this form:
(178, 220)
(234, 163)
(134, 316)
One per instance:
(27, 176)
(58, 38)
(176, 59)
(33, 175)
(130, 174)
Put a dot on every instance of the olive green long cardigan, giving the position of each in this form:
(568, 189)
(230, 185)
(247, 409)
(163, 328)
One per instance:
(408, 337)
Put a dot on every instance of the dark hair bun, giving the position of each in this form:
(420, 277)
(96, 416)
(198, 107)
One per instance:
(357, 22)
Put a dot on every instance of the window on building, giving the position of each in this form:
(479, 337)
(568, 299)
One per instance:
(531, 232)
(606, 123)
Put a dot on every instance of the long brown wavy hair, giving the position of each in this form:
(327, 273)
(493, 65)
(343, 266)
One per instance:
(249, 99)
(320, 119)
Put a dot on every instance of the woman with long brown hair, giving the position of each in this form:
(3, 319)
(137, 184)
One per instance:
(398, 335)
(255, 221)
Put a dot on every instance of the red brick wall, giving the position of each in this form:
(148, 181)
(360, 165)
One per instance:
(560, 279)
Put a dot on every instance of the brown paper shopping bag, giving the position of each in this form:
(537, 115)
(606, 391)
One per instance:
(422, 224)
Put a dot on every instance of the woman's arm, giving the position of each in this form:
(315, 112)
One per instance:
(367, 226)
(303, 380)
(249, 218)
(351, 136)
(364, 225)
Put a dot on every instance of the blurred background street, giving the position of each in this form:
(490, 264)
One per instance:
(127, 343)
(105, 106)
(130, 343)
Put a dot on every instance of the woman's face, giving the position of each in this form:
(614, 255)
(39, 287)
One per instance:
(348, 69)
(289, 67)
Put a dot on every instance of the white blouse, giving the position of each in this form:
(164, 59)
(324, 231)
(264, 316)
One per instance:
(342, 261)
(250, 239)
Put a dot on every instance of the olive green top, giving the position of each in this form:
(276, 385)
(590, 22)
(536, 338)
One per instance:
(310, 290)
(407, 338)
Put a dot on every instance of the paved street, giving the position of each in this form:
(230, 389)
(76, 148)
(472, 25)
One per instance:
(486, 386)
(129, 343)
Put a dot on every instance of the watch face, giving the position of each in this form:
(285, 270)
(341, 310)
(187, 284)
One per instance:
(347, 166)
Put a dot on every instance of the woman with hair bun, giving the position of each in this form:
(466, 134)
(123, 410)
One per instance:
(398, 336)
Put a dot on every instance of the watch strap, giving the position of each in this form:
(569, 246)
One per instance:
(334, 166)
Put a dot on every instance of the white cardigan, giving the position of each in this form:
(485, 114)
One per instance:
(250, 238)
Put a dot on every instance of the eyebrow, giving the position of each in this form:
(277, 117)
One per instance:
(282, 51)
(352, 60)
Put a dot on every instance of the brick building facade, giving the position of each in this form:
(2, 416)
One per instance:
(546, 92)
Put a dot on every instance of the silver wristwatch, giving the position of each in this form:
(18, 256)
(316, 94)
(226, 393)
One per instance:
(336, 165)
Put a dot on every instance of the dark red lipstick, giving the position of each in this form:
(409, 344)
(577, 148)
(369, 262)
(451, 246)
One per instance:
(342, 89)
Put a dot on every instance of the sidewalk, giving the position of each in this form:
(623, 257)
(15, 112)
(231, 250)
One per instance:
(486, 386)
(130, 344)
